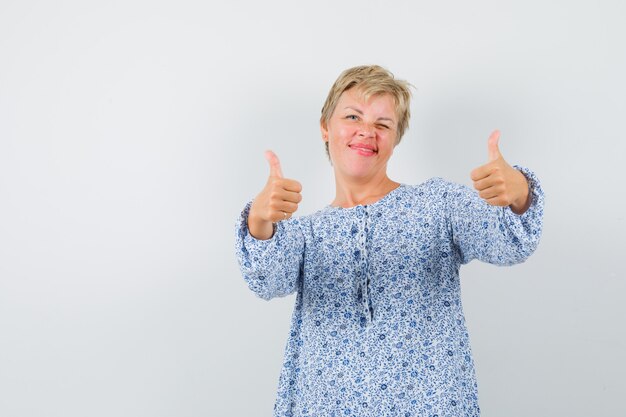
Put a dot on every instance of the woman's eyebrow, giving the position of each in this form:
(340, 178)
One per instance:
(355, 109)
(361, 113)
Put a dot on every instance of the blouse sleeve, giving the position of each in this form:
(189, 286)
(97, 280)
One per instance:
(494, 234)
(272, 267)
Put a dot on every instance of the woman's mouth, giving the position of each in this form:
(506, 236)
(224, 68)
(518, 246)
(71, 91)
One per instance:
(362, 149)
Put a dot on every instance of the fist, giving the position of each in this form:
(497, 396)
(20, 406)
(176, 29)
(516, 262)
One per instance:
(499, 183)
(277, 201)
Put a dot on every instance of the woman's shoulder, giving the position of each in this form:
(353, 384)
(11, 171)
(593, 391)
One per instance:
(438, 193)
(436, 186)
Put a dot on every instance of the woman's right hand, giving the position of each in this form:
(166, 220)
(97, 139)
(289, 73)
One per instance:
(277, 201)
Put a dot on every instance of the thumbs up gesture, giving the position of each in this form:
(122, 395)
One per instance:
(277, 201)
(499, 183)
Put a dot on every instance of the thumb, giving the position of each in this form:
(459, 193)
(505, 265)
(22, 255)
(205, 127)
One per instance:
(492, 146)
(275, 170)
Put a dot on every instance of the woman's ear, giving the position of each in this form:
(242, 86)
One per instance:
(324, 131)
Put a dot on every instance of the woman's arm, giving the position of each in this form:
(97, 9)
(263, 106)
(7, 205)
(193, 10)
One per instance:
(490, 233)
(269, 247)
(271, 267)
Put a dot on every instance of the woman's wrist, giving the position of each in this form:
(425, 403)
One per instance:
(522, 203)
(259, 228)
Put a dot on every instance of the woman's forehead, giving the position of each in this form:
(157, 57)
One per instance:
(378, 103)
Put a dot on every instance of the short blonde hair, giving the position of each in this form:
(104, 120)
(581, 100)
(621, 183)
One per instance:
(371, 80)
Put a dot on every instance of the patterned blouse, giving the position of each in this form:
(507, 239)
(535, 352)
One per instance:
(378, 328)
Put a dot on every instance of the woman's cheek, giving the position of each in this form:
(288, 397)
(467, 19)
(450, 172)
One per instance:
(346, 132)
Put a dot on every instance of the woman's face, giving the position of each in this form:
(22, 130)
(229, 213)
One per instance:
(361, 135)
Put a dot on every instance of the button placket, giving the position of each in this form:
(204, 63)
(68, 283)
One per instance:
(367, 226)
(362, 267)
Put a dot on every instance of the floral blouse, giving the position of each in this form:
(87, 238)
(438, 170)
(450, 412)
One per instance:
(378, 327)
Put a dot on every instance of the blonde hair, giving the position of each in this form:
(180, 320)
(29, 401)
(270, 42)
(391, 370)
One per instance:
(371, 80)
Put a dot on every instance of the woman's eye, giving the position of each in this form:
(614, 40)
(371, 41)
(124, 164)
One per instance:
(352, 117)
(383, 126)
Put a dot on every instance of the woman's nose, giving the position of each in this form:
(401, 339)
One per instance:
(366, 130)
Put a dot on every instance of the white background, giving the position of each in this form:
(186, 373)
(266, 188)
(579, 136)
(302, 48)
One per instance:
(132, 134)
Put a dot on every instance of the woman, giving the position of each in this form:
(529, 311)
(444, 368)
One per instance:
(378, 327)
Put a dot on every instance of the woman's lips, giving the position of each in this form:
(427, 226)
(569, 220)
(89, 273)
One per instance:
(363, 150)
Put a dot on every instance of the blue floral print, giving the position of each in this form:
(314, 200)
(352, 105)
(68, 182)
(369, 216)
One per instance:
(378, 328)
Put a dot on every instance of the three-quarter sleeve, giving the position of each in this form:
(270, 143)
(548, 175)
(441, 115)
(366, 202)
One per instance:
(272, 267)
(493, 234)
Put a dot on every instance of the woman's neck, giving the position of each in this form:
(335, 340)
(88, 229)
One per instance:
(352, 192)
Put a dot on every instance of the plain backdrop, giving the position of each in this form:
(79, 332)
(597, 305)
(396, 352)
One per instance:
(132, 134)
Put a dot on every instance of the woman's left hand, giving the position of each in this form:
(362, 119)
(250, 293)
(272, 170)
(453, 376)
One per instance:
(499, 183)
